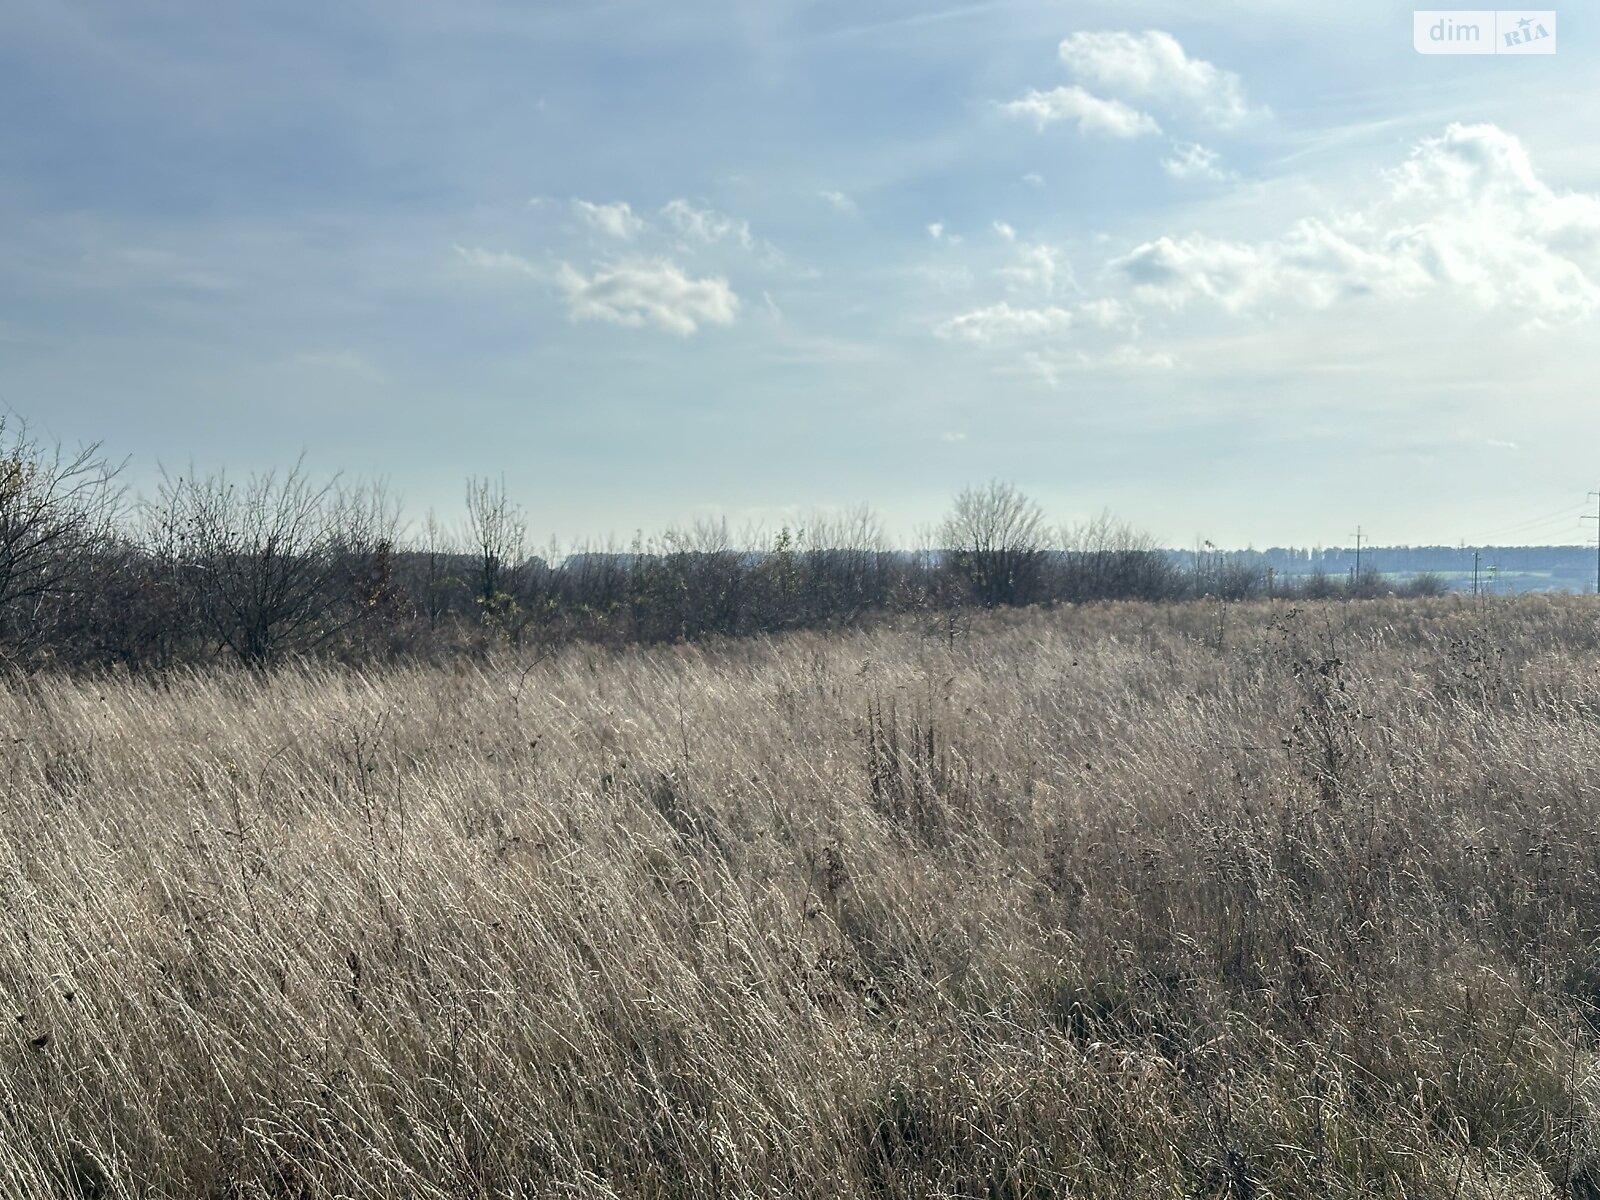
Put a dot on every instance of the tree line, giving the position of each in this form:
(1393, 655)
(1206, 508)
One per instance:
(280, 565)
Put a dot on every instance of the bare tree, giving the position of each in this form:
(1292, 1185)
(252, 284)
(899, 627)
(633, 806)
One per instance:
(592, 585)
(280, 564)
(848, 564)
(994, 540)
(366, 528)
(708, 574)
(1107, 559)
(58, 513)
(497, 530)
(1225, 575)
(438, 552)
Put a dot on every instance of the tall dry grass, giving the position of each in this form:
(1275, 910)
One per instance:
(1117, 902)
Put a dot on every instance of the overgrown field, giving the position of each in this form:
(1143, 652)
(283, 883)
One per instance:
(1108, 902)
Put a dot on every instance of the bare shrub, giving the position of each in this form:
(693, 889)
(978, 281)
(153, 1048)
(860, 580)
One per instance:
(1426, 584)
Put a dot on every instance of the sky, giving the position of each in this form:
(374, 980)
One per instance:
(1253, 272)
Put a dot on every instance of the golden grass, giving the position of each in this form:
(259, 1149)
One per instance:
(1115, 902)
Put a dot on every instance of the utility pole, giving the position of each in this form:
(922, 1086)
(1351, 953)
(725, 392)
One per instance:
(1477, 558)
(1595, 496)
(1355, 577)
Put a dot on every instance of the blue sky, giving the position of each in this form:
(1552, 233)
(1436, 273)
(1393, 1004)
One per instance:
(1256, 273)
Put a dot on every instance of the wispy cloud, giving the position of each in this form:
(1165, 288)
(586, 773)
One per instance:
(654, 292)
(1190, 160)
(706, 225)
(1092, 114)
(1037, 268)
(1034, 266)
(616, 220)
(1003, 322)
(498, 261)
(841, 203)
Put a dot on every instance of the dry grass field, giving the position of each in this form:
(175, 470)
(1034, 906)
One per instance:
(1130, 901)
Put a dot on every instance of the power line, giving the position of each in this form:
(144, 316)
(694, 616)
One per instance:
(1526, 528)
(1565, 510)
(1533, 528)
(1565, 513)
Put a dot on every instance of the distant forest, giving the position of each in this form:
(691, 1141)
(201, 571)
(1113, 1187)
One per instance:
(1499, 568)
(281, 565)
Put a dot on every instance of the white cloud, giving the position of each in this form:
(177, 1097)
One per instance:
(613, 220)
(1129, 354)
(1471, 437)
(1036, 269)
(1051, 366)
(841, 203)
(1108, 313)
(497, 261)
(1174, 271)
(1003, 323)
(1190, 160)
(1314, 265)
(1033, 177)
(1153, 67)
(1093, 114)
(947, 280)
(1035, 266)
(707, 225)
(648, 292)
(1465, 218)
(1460, 248)
(1051, 338)
(936, 230)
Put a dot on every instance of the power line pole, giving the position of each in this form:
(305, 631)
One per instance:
(1356, 578)
(1595, 496)
(1477, 558)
